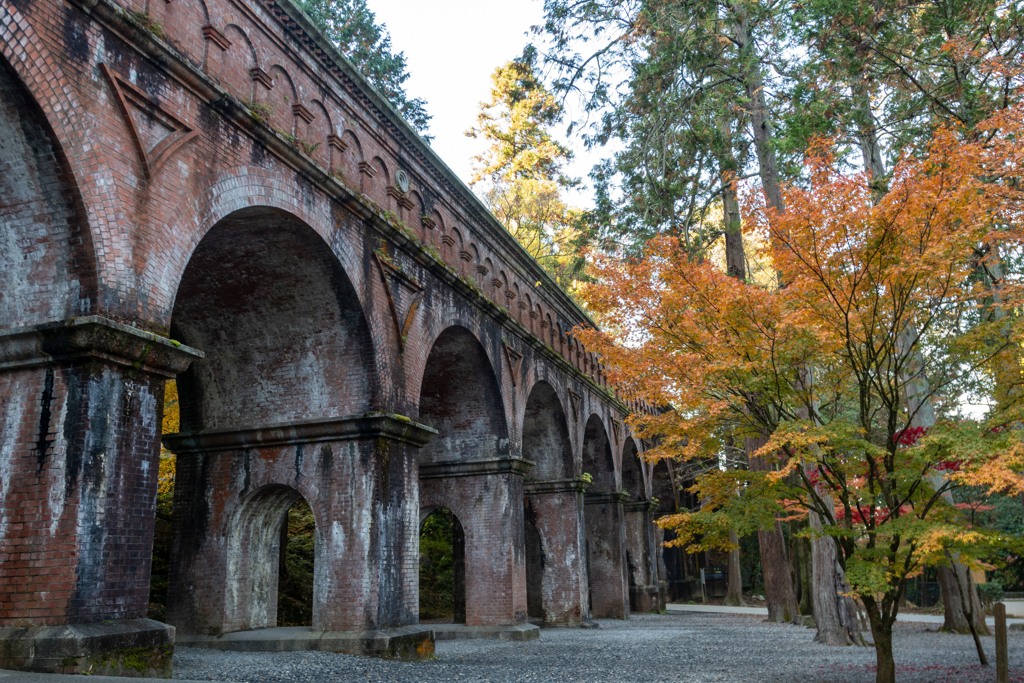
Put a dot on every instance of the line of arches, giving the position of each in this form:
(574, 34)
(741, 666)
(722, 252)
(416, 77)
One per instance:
(283, 402)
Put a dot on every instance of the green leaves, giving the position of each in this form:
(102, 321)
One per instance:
(352, 27)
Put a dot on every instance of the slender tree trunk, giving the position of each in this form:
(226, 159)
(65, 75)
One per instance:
(881, 633)
(734, 592)
(775, 566)
(735, 256)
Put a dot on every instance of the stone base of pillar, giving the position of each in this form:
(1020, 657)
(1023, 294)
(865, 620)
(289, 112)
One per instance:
(403, 642)
(645, 599)
(133, 647)
(501, 632)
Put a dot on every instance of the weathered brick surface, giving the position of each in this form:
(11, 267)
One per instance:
(231, 495)
(209, 171)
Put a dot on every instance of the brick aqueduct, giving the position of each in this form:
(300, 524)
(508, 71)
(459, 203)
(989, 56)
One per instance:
(203, 189)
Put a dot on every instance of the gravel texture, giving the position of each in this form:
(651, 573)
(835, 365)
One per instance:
(690, 648)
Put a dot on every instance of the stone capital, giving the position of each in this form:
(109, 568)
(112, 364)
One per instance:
(352, 428)
(93, 339)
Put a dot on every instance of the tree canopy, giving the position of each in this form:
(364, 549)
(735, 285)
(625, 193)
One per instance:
(521, 173)
(873, 294)
(352, 27)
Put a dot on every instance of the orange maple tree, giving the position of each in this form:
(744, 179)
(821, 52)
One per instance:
(873, 294)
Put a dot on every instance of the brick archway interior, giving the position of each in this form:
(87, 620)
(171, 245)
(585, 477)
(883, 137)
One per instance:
(603, 526)
(551, 513)
(254, 545)
(46, 263)
(288, 363)
(466, 468)
(460, 398)
(546, 435)
(279, 322)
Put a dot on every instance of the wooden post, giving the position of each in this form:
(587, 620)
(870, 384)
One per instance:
(1002, 656)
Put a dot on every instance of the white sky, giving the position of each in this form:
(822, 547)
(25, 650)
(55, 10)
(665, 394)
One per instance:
(451, 48)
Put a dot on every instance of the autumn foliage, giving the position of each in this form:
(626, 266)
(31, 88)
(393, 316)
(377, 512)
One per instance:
(874, 296)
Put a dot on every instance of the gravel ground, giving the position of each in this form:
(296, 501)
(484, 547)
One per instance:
(690, 648)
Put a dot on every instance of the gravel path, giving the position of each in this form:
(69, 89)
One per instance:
(690, 648)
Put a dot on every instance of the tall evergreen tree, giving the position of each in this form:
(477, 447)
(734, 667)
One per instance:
(522, 172)
(352, 27)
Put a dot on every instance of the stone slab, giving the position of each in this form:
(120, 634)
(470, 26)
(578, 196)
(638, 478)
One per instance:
(134, 648)
(404, 642)
(502, 632)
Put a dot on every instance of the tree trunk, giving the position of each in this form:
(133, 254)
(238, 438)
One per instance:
(775, 567)
(734, 593)
(778, 576)
(881, 633)
(834, 612)
(753, 84)
(955, 612)
(735, 257)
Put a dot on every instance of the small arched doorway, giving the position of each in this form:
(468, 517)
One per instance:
(442, 568)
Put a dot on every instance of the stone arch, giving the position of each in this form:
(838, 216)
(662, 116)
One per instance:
(597, 457)
(604, 531)
(100, 209)
(551, 513)
(468, 469)
(453, 245)
(545, 435)
(351, 158)
(224, 196)
(632, 471)
(47, 263)
(374, 180)
(280, 322)
(253, 538)
(458, 553)
(677, 568)
(319, 133)
(641, 543)
(459, 395)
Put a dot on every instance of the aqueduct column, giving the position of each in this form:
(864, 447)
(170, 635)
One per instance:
(79, 449)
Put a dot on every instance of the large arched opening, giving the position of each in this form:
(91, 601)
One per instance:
(270, 408)
(641, 565)
(466, 468)
(47, 265)
(552, 513)
(606, 575)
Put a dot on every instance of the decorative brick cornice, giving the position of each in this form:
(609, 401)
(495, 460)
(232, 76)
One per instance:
(301, 112)
(475, 468)
(262, 77)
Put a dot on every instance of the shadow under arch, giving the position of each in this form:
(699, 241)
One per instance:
(552, 513)
(461, 399)
(47, 261)
(604, 528)
(284, 335)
